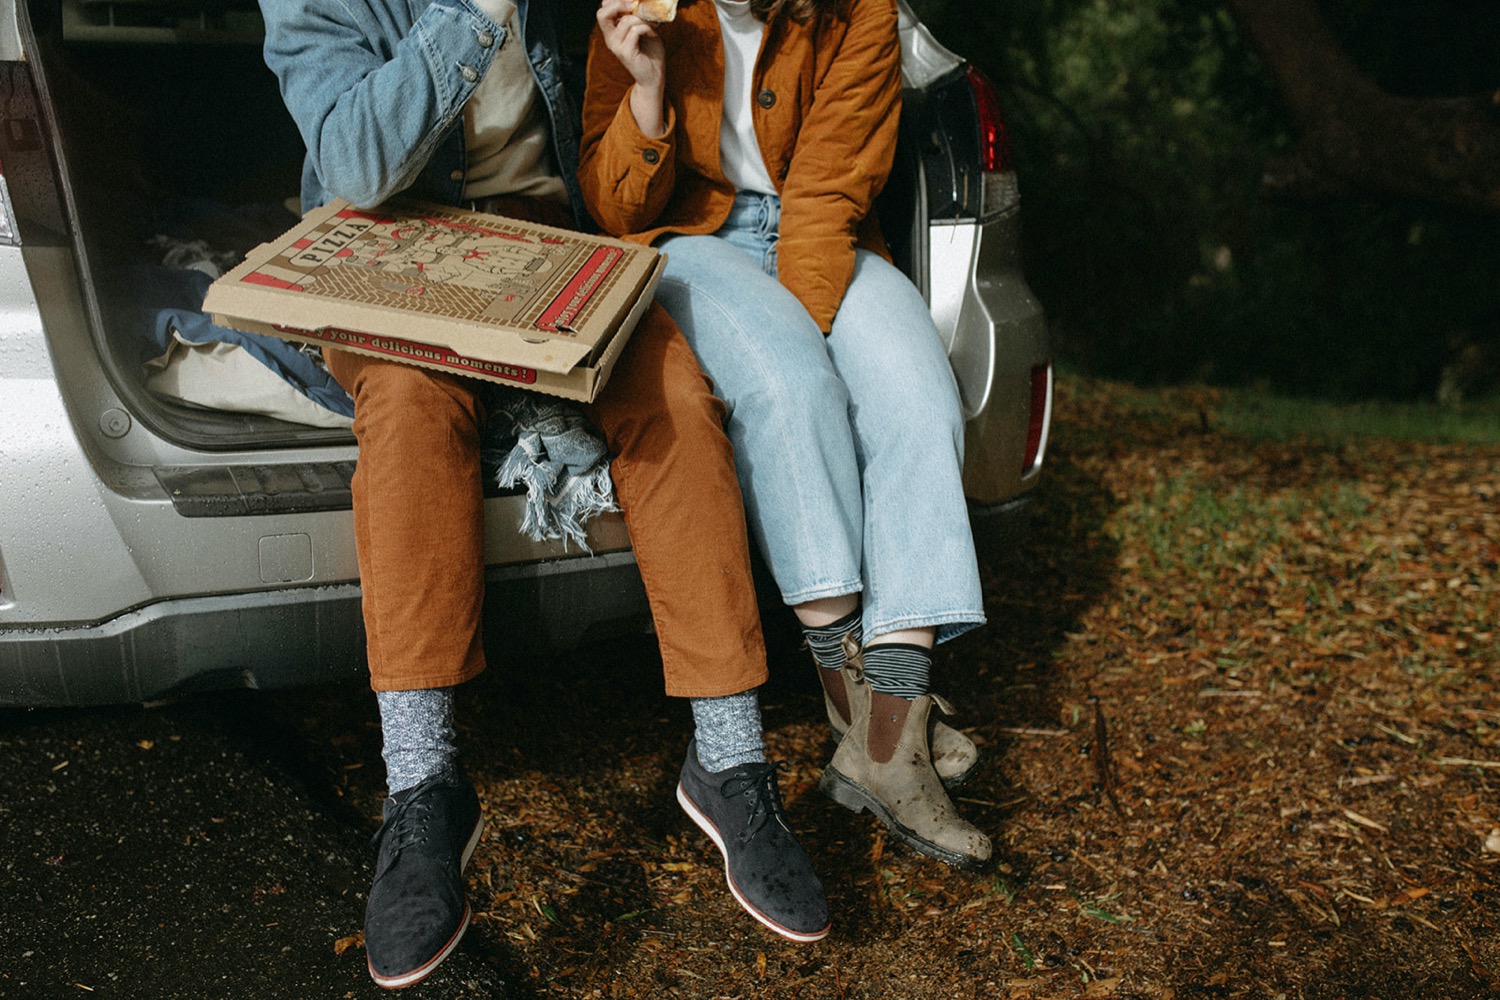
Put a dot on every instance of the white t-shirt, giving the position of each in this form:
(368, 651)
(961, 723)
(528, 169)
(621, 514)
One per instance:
(739, 152)
(505, 126)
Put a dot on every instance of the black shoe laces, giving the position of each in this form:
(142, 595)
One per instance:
(757, 782)
(406, 824)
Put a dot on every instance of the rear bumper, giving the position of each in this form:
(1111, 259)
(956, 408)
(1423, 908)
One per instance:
(999, 528)
(295, 636)
(268, 639)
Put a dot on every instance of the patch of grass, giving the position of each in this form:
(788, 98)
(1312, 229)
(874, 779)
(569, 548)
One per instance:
(1002, 887)
(1097, 911)
(1188, 522)
(1266, 417)
(1189, 408)
(1020, 947)
(632, 915)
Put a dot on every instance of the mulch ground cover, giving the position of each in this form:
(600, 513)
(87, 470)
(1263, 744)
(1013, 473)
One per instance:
(1238, 703)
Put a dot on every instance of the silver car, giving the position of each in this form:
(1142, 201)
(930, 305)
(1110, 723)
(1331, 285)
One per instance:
(151, 546)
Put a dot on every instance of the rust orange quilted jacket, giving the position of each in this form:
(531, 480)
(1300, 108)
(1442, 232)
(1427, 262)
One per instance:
(827, 99)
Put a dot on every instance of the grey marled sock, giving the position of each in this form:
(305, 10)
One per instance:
(728, 730)
(419, 740)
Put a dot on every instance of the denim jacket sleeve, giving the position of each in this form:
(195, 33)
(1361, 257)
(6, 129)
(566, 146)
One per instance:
(372, 89)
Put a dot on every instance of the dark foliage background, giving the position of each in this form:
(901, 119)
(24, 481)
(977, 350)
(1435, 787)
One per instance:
(1140, 128)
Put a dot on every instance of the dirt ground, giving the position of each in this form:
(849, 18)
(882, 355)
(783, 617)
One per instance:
(1238, 701)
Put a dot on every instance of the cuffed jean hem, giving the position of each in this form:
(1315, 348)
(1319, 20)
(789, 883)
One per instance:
(821, 591)
(945, 627)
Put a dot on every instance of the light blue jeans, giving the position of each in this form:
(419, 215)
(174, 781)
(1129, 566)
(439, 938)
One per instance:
(849, 447)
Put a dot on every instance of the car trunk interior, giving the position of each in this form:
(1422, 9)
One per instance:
(177, 153)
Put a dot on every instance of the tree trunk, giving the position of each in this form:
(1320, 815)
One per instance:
(1356, 138)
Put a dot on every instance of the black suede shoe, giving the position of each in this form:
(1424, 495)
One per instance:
(740, 809)
(417, 912)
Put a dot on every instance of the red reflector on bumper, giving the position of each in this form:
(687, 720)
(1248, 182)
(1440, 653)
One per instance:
(1040, 418)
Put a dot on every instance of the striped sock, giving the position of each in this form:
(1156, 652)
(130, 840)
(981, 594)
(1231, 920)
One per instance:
(898, 668)
(728, 730)
(827, 643)
(419, 741)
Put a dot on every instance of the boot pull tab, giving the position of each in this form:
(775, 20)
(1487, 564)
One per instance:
(854, 658)
(942, 703)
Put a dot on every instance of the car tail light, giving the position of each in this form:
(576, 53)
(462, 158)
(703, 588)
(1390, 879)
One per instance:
(999, 192)
(966, 154)
(1040, 418)
(994, 140)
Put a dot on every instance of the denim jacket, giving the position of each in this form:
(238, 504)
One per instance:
(377, 89)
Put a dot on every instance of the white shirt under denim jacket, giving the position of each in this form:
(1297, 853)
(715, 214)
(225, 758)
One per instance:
(378, 87)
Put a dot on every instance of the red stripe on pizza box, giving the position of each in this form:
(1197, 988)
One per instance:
(256, 278)
(354, 213)
(576, 293)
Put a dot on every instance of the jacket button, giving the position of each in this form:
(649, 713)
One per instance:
(469, 73)
(456, 176)
(766, 98)
(485, 39)
(650, 156)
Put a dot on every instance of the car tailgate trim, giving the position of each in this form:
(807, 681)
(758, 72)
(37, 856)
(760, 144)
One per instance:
(237, 490)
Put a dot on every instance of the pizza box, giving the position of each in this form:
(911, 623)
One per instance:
(514, 302)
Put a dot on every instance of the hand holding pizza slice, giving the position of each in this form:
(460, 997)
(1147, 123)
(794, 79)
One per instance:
(654, 10)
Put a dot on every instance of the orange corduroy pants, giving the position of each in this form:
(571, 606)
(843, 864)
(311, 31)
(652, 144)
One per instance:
(419, 526)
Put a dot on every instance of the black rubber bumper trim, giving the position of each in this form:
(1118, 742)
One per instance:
(238, 490)
(288, 488)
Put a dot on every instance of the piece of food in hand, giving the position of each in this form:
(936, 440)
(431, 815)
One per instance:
(655, 10)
